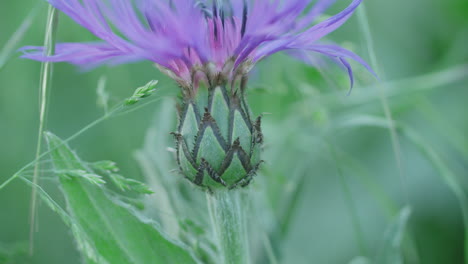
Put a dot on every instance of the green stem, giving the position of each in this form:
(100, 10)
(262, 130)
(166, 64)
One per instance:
(46, 76)
(228, 219)
(116, 111)
(396, 145)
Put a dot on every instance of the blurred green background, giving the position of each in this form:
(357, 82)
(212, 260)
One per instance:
(421, 48)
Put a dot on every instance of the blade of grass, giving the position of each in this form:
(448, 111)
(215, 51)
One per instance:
(102, 95)
(447, 175)
(11, 44)
(455, 137)
(269, 249)
(119, 109)
(406, 86)
(390, 208)
(365, 27)
(45, 85)
(349, 200)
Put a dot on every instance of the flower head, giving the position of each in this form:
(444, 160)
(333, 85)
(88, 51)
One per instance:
(197, 40)
(214, 42)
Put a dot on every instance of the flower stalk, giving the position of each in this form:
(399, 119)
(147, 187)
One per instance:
(227, 213)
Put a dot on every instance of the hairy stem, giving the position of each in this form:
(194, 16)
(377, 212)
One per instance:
(46, 76)
(227, 214)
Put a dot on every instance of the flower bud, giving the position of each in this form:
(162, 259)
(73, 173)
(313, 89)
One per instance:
(218, 145)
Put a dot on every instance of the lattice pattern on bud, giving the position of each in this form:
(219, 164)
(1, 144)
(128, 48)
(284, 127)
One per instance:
(218, 144)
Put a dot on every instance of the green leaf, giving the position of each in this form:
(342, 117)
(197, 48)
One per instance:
(114, 231)
(391, 252)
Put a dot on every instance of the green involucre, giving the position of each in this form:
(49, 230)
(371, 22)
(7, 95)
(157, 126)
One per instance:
(218, 145)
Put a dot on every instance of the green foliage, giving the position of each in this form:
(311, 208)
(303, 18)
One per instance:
(298, 207)
(13, 254)
(114, 232)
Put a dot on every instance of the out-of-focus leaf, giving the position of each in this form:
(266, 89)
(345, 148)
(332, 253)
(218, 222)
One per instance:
(391, 252)
(8, 48)
(116, 233)
(11, 254)
(360, 260)
(446, 174)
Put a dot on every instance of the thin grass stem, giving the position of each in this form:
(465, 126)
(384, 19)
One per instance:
(349, 200)
(11, 44)
(45, 85)
(364, 24)
(115, 111)
(269, 249)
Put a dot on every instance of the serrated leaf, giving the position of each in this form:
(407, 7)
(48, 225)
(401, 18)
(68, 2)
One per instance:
(118, 235)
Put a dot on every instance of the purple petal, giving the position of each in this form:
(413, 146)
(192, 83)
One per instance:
(81, 54)
(350, 73)
(183, 34)
(319, 7)
(326, 27)
(339, 52)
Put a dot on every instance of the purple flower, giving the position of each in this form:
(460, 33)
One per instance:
(196, 40)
